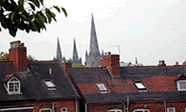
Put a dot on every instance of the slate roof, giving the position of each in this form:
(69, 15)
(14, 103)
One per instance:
(32, 84)
(159, 81)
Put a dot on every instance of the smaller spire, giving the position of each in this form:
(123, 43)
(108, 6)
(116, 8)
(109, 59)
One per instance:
(86, 53)
(136, 60)
(102, 52)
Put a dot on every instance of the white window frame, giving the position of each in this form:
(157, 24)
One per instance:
(102, 88)
(50, 71)
(50, 84)
(45, 109)
(64, 108)
(171, 108)
(14, 82)
(178, 85)
(141, 110)
(115, 110)
(140, 86)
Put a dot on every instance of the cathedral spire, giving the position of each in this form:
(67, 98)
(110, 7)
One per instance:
(58, 53)
(75, 54)
(94, 48)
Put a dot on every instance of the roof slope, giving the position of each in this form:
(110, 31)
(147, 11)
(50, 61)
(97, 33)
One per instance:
(159, 81)
(33, 86)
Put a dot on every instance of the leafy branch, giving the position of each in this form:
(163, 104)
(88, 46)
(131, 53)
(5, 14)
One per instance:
(26, 15)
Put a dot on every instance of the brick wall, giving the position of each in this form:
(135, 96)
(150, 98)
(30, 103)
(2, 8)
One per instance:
(153, 106)
(69, 104)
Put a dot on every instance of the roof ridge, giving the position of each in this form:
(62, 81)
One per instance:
(6, 62)
(44, 61)
(170, 66)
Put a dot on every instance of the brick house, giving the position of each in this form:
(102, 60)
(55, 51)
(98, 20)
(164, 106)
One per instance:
(38, 86)
(111, 88)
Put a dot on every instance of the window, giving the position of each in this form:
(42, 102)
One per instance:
(50, 85)
(102, 87)
(181, 85)
(115, 110)
(140, 86)
(13, 85)
(45, 110)
(50, 71)
(64, 109)
(171, 109)
(141, 110)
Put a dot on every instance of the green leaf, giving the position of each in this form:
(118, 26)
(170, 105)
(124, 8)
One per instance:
(32, 6)
(34, 26)
(49, 15)
(12, 31)
(20, 2)
(36, 2)
(23, 16)
(12, 16)
(53, 16)
(64, 11)
(57, 8)
(41, 1)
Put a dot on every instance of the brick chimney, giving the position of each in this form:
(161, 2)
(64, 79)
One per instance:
(18, 54)
(161, 63)
(66, 64)
(112, 62)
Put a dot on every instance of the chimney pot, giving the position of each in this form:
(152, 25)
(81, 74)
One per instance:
(109, 53)
(161, 63)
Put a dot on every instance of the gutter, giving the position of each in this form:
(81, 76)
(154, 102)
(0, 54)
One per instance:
(86, 107)
(127, 104)
(53, 110)
(17, 108)
(123, 106)
(76, 104)
(165, 106)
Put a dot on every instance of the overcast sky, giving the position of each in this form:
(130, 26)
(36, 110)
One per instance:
(150, 30)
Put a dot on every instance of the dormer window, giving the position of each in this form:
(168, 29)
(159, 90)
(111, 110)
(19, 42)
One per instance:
(140, 86)
(102, 87)
(50, 85)
(181, 85)
(13, 86)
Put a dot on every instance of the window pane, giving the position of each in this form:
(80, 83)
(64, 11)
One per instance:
(16, 87)
(140, 85)
(11, 88)
(171, 110)
(101, 87)
(45, 111)
(182, 85)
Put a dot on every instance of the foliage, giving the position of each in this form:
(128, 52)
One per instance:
(78, 66)
(27, 15)
(30, 58)
(5, 57)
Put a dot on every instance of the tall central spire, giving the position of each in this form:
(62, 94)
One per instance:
(58, 53)
(94, 48)
(75, 54)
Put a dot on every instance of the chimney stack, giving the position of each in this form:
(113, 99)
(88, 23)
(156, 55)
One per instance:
(161, 63)
(66, 64)
(112, 62)
(18, 54)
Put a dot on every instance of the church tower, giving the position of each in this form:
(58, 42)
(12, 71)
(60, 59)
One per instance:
(75, 59)
(59, 53)
(93, 58)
